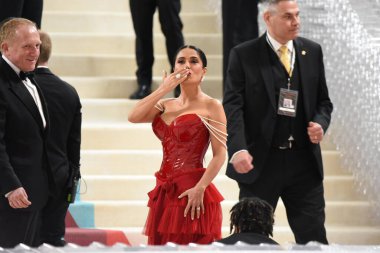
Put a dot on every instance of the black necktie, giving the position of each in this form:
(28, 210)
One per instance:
(24, 75)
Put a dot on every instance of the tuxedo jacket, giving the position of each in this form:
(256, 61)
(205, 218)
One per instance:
(22, 141)
(64, 137)
(251, 106)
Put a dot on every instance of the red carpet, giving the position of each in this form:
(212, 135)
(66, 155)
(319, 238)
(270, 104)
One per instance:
(86, 236)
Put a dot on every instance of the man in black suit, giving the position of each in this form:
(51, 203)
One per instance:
(142, 12)
(63, 143)
(278, 109)
(252, 222)
(24, 170)
(29, 9)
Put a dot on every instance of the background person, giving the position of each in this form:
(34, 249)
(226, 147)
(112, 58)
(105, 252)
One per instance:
(239, 19)
(171, 25)
(63, 143)
(273, 152)
(29, 9)
(252, 221)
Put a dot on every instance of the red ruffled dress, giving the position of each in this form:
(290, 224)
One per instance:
(185, 142)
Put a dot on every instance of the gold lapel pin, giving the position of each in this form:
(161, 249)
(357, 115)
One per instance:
(303, 52)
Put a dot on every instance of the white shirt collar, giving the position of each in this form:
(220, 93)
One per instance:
(276, 45)
(16, 69)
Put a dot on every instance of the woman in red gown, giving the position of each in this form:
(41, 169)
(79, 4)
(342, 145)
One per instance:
(184, 207)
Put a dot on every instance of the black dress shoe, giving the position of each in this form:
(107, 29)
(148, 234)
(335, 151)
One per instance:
(141, 92)
(177, 91)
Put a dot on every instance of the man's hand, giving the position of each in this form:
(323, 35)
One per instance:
(242, 162)
(18, 198)
(315, 132)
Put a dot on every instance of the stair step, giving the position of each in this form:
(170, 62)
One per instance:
(119, 136)
(145, 162)
(117, 6)
(132, 136)
(282, 234)
(124, 44)
(120, 22)
(122, 87)
(119, 66)
(136, 187)
(134, 213)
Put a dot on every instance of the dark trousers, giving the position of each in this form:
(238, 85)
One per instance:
(239, 24)
(19, 226)
(29, 9)
(53, 220)
(293, 176)
(171, 25)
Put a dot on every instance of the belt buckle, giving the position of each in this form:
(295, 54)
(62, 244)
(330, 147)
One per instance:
(288, 146)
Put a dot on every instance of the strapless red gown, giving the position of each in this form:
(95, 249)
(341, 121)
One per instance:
(185, 142)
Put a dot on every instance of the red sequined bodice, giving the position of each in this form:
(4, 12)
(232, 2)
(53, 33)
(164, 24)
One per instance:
(184, 141)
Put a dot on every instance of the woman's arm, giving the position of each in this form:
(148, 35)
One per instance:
(145, 110)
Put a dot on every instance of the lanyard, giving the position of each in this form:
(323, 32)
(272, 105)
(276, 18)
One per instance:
(292, 60)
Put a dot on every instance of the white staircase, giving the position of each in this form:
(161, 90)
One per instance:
(93, 49)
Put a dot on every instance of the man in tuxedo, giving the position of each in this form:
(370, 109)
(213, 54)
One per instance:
(63, 143)
(24, 170)
(278, 110)
(252, 222)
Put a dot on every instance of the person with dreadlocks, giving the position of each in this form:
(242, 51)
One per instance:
(252, 222)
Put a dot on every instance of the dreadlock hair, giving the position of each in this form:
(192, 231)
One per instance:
(252, 215)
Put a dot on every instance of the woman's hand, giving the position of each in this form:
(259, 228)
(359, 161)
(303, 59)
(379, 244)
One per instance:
(194, 201)
(169, 82)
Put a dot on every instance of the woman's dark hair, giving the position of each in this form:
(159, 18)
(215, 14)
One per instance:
(252, 215)
(198, 50)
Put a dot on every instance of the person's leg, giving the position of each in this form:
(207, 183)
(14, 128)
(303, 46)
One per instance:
(18, 226)
(268, 185)
(229, 15)
(239, 24)
(32, 10)
(171, 26)
(10, 9)
(53, 221)
(304, 200)
(142, 12)
(246, 25)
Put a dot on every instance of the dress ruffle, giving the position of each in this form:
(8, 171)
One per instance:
(166, 221)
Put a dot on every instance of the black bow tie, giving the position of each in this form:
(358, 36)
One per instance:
(24, 75)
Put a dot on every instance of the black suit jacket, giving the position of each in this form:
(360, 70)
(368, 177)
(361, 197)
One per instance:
(250, 238)
(249, 100)
(22, 141)
(65, 120)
